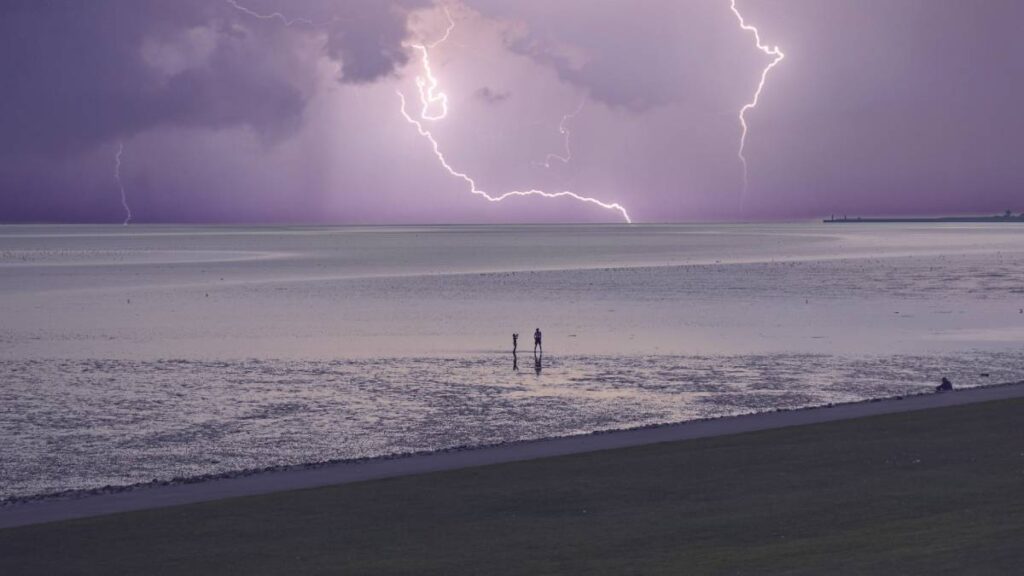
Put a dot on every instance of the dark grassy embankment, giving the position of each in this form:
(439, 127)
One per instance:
(932, 492)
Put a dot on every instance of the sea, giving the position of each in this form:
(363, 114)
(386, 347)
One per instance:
(139, 354)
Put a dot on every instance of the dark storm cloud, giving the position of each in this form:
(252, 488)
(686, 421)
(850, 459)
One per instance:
(880, 107)
(367, 39)
(80, 73)
(634, 55)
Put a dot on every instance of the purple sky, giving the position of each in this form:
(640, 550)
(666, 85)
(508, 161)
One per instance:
(880, 107)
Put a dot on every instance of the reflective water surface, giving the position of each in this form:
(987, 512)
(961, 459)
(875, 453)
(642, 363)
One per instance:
(141, 353)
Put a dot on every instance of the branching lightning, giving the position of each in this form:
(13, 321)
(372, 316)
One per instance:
(272, 16)
(777, 56)
(120, 185)
(428, 83)
(472, 183)
(563, 129)
(430, 97)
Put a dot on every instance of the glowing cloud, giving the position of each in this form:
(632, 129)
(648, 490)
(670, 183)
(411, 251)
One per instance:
(777, 56)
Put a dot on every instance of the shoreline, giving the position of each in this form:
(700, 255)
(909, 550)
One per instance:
(74, 504)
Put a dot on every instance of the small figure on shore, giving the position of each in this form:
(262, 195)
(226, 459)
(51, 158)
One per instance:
(945, 386)
(515, 342)
(536, 341)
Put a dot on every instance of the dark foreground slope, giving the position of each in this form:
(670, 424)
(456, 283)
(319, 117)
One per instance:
(932, 492)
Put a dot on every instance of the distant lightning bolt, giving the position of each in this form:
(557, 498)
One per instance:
(430, 97)
(563, 129)
(777, 56)
(120, 185)
(272, 16)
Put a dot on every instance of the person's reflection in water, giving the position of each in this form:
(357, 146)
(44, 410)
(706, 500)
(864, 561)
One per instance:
(515, 362)
(537, 362)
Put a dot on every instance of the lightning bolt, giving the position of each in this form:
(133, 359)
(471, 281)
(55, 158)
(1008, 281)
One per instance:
(120, 185)
(430, 97)
(776, 56)
(428, 83)
(288, 22)
(472, 183)
(563, 129)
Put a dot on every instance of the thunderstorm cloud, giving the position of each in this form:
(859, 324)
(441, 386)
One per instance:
(234, 115)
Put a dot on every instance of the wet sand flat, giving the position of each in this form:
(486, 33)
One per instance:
(57, 509)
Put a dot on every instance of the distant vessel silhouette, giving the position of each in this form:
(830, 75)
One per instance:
(1007, 216)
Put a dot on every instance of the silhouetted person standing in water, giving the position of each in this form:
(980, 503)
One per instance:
(536, 341)
(515, 342)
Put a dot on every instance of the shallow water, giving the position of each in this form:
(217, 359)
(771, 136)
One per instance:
(141, 353)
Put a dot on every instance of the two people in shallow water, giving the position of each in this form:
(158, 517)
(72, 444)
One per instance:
(537, 347)
(537, 344)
